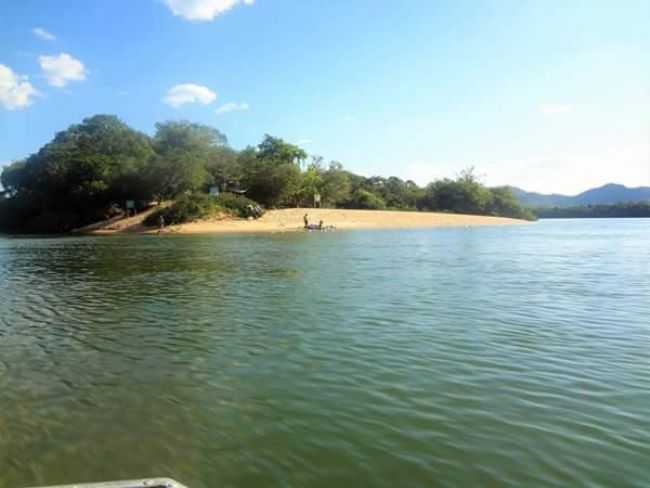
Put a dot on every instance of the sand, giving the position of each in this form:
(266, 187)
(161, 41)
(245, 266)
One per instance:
(287, 220)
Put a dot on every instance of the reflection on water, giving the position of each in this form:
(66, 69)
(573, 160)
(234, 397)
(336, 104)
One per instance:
(454, 357)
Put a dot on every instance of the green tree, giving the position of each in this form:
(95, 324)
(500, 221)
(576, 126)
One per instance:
(187, 136)
(365, 199)
(271, 174)
(311, 183)
(335, 189)
(183, 150)
(277, 151)
(465, 194)
(14, 177)
(399, 194)
(81, 171)
(618, 210)
(223, 167)
(504, 203)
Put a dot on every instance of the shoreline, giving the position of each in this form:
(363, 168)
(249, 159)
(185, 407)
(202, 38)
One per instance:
(290, 220)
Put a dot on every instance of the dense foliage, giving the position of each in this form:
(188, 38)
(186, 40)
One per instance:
(101, 163)
(186, 208)
(70, 180)
(239, 205)
(619, 210)
(467, 195)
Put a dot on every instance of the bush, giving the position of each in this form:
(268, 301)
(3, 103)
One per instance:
(238, 204)
(14, 212)
(466, 195)
(20, 214)
(187, 208)
(366, 200)
(504, 204)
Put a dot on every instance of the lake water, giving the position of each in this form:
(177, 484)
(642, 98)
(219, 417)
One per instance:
(492, 357)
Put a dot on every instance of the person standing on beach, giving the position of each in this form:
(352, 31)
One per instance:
(305, 219)
(161, 222)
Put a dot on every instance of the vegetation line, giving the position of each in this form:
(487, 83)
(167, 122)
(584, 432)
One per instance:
(101, 168)
(619, 210)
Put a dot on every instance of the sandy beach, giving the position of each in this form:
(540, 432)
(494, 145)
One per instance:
(287, 220)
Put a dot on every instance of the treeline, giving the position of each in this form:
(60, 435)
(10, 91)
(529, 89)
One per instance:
(90, 169)
(619, 210)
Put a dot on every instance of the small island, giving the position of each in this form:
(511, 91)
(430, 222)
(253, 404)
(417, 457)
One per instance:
(101, 176)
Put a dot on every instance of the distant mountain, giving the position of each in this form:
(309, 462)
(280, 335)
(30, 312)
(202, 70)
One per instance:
(604, 195)
(533, 199)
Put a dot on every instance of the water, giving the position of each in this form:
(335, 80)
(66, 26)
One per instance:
(504, 356)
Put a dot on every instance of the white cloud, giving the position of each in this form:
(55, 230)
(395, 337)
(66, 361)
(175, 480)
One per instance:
(15, 91)
(232, 107)
(184, 93)
(555, 108)
(203, 10)
(43, 34)
(61, 69)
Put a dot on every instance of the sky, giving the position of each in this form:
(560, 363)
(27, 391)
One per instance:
(550, 96)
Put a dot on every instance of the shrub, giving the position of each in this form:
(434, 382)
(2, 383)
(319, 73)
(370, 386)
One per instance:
(367, 200)
(238, 204)
(186, 208)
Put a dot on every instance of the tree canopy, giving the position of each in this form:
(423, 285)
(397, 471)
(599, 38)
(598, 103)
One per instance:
(276, 151)
(618, 210)
(182, 151)
(99, 164)
(82, 169)
(466, 194)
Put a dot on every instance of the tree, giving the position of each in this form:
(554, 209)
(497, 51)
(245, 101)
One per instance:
(223, 167)
(465, 194)
(81, 170)
(310, 184)
(335, 189)
(618, 210)
(187, 136)
(272, 186)
(276, 151)
(503, 202)
(14, 177)
(365, 199)
(398, 193)
(271, 174)
(73, 179)
(413, 193)
(182, 152)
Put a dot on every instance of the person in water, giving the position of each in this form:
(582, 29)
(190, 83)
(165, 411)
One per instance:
(318, 226)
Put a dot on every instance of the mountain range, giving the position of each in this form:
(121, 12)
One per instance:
(603, 195)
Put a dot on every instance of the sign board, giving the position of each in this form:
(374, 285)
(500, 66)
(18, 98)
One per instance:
(316, 197)
(214, 191)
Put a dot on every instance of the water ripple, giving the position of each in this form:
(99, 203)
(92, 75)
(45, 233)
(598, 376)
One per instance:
(490, 357)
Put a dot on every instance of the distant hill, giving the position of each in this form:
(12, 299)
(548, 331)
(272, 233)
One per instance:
(604, 195)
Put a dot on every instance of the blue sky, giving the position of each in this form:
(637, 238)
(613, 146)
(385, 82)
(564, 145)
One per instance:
(551, 96)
